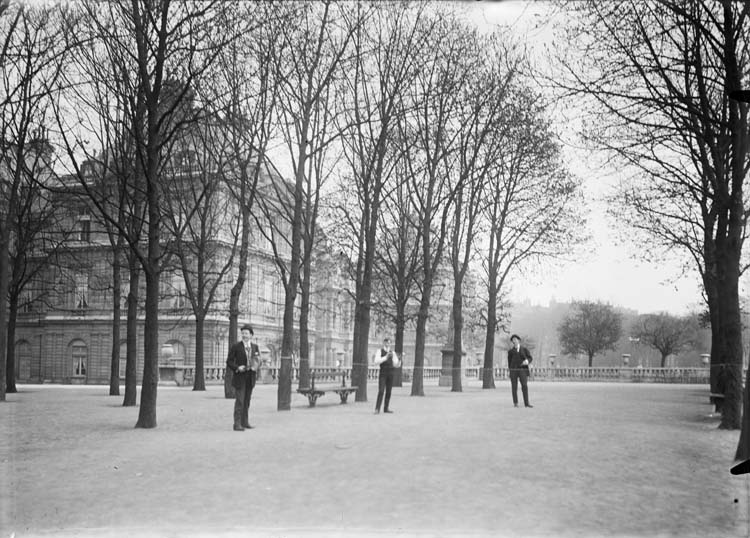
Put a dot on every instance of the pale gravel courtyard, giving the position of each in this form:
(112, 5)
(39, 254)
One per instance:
(590, 459)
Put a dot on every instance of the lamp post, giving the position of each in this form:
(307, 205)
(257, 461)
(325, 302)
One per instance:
(635, 341)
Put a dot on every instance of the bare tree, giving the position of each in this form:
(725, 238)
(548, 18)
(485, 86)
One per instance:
(179, 39)
(666, 333)
(32, 55)
(387, 50)
(245, 88)
(533, 205)
(591, 327)
(315, 45)
(397, 263)
(37, 240)
(108, 173)
(657, 100)
(480, 133)
(200, 219)
(430, 145)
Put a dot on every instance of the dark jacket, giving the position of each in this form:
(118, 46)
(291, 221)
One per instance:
(516, 357)
(386, 365)
(237, 357)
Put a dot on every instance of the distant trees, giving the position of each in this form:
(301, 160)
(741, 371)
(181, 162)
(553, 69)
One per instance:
(666, 333)
(590, 328)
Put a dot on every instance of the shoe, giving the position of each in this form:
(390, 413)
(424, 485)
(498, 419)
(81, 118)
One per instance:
(248, 427)
(239, 429)
(529, 405)
(377, 411)
(387, 411)
(515, 405)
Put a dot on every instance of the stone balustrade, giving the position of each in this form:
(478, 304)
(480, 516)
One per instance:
(215, 374)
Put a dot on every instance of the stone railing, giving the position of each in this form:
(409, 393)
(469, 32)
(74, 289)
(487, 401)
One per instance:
(215, 374)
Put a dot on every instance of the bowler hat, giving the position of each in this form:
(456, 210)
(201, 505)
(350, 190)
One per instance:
(247, 327)
(515, 336)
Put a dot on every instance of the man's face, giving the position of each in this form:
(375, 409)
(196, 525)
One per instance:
(386, 344)
(516, 342)
(246, 335)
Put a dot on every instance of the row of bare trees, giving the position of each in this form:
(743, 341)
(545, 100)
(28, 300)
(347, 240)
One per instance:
(417, 139)
(453, 166)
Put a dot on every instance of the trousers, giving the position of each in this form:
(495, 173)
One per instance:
(521, 374)
(385, 384)
(242, 398)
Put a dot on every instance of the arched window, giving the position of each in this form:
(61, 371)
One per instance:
(79, 353)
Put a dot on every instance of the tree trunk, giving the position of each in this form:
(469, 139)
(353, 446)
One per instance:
(360, 347)
(398, 373)
(488, 377)
(304, 338)
(234, 310)
(664, 359)
(114, 368)
(10, 372)
(591, 360)
(284, 390)
(417, 379)
(458, 323)
(363, 296)
(199, 382)
(731, 336)
(236, 293)
(147, 410)
(712, 301)
(131, 352)
(4, 281)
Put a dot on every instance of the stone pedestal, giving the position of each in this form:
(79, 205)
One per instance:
(446, 371)
(446, 375)
(265, 376)
(172, 373)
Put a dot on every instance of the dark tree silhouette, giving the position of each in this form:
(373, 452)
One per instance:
(591, 327)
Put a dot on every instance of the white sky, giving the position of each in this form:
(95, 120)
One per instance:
(609, 271)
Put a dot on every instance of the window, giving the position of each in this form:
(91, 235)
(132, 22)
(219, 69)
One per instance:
(80, 355)
(84, 230)
(81, 290)
(123, 358)
(179, 290)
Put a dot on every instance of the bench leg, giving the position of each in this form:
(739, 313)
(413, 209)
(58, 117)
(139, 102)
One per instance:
(343, 396)
(312, 399)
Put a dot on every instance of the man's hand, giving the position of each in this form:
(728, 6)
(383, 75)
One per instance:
(525, 362)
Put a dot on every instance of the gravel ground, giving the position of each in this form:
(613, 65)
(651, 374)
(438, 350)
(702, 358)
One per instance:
(589, 460)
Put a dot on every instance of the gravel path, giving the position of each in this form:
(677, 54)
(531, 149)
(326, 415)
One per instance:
(589, 460)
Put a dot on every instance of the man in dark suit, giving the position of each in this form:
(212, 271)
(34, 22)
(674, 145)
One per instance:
(518, 366)
(244, 361)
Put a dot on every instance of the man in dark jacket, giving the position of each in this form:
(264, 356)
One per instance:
(518, 366)
(244, 361)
